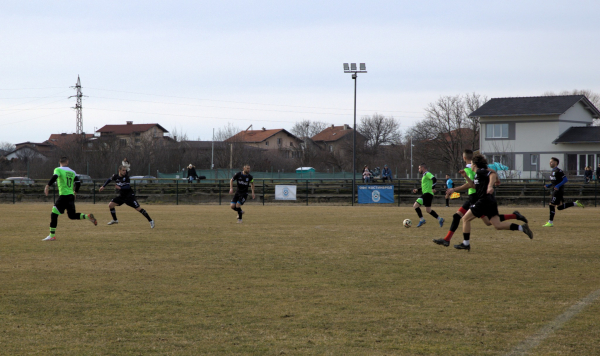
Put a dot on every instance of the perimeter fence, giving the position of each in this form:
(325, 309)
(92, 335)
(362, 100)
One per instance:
(308, 191)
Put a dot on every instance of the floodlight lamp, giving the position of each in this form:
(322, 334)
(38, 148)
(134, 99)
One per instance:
(352, 66)
(346, 66)
(363, 66)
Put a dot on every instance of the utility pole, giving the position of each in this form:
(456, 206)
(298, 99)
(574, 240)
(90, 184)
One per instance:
(78, 106)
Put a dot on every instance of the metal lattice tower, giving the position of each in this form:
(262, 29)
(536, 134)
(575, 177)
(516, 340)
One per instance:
(78, 107)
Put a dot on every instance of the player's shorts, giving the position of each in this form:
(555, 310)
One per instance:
(129, 201)
(557, 197)
(64, 202)
(239, 198)
(425, 200)
(485, 207)
(471, 200)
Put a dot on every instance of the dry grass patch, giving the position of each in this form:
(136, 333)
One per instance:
(291, 280)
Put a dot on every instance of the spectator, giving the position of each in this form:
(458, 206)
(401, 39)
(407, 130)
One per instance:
(588, 174)
(192, 173)
(598, 173)
(386, 174)
(366, 174)
(126, 164)
(449, 185)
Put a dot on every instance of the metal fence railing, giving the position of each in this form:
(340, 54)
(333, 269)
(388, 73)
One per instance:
(309, 191)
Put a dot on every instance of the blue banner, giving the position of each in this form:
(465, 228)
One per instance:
(375, 194)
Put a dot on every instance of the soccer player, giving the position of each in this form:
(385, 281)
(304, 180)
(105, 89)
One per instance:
(428, 188)
(243, 180)
(68, 186)
(486, 203)
(558, 179)
(472, 198)
(126, 196)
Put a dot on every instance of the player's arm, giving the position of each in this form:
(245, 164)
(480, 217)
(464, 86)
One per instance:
(77, 184)
(565, 180)
(434, 182)
(50, 182)
(106, 183)
(231, 185)
(493, 179)
(469, 184)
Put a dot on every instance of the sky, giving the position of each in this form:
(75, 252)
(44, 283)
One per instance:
(195, 66)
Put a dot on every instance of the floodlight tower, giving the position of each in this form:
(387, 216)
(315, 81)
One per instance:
(78, 106)
(352, 69)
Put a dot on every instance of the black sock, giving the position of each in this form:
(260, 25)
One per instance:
(566, 205)
(455, 222)
(143, 212)
(502, 217)
(419, 213)
(514, 227)
(552, 212)
(113, 212)
(434, 214)
(447, 202)
(467, 236)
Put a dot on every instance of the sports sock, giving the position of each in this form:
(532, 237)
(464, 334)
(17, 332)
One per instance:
(566, 205)
(467, 237)
(52, 231)
(240, 213)
(143, 212)
(447, 202)
(434, 214)
(419, 213)
(515, 227)
(508, 217)
(113, 212)
(82, 216)
(552, 212)
(449, 235)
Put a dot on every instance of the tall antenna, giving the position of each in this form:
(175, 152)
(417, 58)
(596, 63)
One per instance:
(78, 106)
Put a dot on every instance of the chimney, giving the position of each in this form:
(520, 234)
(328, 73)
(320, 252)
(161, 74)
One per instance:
(129, 122)
(331, 125)
(264, 129)
(346, 127)
(63, 134)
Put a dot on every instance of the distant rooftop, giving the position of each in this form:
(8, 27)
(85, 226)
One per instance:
(534, 105)
(580, 134)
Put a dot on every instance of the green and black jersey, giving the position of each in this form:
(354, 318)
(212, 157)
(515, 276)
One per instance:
(66, 179)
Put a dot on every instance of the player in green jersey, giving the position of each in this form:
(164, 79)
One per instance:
(68, 185)
(428, 188)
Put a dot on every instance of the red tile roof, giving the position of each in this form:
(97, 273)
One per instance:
(61, 139)
(332, 133)
(253, 136)
(128, 128)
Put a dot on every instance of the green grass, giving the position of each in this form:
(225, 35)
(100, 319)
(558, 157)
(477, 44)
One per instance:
(291, 280)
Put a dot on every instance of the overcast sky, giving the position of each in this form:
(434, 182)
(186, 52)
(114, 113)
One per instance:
(192, 66)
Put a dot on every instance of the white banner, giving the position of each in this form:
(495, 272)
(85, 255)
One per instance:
(285, 192)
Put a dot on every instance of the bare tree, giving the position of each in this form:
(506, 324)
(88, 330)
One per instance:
(379, 130)
(307, 129)
(7, 146)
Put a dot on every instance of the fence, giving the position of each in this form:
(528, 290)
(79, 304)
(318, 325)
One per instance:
(309, 191)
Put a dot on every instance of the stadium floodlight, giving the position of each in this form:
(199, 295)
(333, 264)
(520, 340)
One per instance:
(354, 71)
(346, 67)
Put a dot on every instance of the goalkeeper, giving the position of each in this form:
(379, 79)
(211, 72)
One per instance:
(468, 157)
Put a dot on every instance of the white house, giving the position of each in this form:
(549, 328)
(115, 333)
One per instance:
(524, 133)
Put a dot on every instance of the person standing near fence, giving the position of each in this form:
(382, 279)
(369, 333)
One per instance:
(243, 180)
(428, 188)
(68, 185)
(558, 179)
(126, 196)
(449, 185)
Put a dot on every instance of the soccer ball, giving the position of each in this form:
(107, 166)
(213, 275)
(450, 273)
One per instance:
(407, 223)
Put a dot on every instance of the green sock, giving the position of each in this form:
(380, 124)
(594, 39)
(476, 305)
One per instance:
(82, 216)
(52, 231)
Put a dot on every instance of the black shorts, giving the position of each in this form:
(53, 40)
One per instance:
(239, 198)
(486, 206)
(557, 197)
(65, 202)
(128, 200)
(425, 200)
(471, 200)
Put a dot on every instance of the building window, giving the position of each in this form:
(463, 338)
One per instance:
(123, 142)
(291, 144)
(330, 148)
(496, 130)
(137, 140)
(266, 143)
(499, 159)
(534, 160)
(279, 141)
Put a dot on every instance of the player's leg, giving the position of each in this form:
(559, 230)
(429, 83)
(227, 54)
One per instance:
(132, 202)
(514, 216)
(570, 205)
(504, 225)
(427, 200)
(466, 221)
(54, 221)
(74, 215)
(113, 212)
(417, 207)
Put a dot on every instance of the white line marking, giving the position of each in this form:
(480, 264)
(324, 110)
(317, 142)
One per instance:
(524, 347)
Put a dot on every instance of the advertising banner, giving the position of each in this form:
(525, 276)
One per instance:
(375, 194)
(285, 192)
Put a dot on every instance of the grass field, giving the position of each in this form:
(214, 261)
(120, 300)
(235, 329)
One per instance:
(292, 280)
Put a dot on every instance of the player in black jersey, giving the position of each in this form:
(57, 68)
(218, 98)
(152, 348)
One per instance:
(486, 203)
(557, 183)
(126, 196)
(243, 180)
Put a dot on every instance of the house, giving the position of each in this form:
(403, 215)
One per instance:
(31, 150)
(525, 132)
(131, 134)
(64, 139)
(337, 139)
(288, 145)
